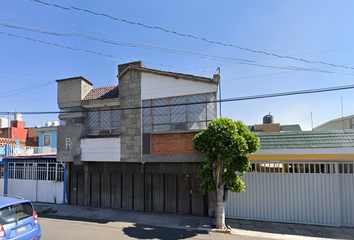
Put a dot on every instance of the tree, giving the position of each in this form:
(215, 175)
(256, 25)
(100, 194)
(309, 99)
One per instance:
(226, 144)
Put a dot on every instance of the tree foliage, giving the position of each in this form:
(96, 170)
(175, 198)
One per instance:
(226, 144)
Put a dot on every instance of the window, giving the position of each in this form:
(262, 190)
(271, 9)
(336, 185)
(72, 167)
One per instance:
(178, 113)
(105, 122)
(47, 140)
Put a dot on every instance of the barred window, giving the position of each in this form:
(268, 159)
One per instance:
(2, 171)
(295, 167)
(346, 168)
(105, 122)
(178, 114)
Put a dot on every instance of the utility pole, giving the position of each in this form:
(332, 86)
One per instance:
(219, 89)
(8, 126)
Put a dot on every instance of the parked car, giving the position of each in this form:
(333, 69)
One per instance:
(18, 220)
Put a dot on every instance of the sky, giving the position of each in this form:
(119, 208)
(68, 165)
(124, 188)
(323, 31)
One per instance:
(261, 47)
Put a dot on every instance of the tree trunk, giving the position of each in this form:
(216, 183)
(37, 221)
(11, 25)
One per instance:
(220, 207)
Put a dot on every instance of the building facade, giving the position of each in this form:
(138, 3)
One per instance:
(129, 146)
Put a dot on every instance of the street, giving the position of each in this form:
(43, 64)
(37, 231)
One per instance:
(72, 228)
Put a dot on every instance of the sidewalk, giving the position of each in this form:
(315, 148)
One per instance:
(239, 227)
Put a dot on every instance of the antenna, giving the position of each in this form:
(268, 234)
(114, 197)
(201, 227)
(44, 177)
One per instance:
(341, 98)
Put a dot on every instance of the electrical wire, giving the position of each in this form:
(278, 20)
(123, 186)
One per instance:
(101, 54)
(16, 92)
(271, 95)
(196, 54)
(192, 36)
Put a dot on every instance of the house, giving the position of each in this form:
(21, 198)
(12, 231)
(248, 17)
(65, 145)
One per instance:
(269, 126)
(128, 146)
(17, 130)
(33, 172)
(302, 177)
(337, 124)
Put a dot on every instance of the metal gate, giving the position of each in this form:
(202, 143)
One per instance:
(36, 180)
(312, 192)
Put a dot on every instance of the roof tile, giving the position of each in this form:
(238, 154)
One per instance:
(307, 139)
(102, 93)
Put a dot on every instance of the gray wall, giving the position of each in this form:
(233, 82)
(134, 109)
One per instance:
(66, 153)
(130, 96)
(72, 90)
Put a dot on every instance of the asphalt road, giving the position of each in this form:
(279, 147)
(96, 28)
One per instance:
(76, 228)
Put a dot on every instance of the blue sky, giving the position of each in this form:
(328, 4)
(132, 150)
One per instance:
(311, 30)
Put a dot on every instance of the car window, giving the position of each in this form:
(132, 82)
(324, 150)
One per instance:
(15, 212)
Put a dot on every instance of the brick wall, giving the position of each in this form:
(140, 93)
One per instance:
(172, 144)
(268, 127)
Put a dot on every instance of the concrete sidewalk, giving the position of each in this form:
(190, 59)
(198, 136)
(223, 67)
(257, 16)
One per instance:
(239, 227)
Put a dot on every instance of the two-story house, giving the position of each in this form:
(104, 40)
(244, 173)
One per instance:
(129, 146)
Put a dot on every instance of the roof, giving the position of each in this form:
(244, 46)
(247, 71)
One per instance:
(307, 139)
(102, 93)
(290, 128)
(169, 74)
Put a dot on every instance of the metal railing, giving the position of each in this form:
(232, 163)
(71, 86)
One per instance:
(26, 151)
(47, 171)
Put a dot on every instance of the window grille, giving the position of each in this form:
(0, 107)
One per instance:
(294, 167)
(50, 171)
(2, 171)
(180, 117)
(346, 168)
(103, 122)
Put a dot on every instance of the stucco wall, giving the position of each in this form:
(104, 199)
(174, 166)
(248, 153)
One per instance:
(68, 145)
(157, 86)
(72, 90)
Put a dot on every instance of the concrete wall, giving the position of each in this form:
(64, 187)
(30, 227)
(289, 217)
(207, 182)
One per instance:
(129, 95)
(337, 124)
(72, 90)
(157, 86)
(100, 149)
(68, 145)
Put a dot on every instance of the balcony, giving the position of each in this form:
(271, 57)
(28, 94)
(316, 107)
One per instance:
(32, 151)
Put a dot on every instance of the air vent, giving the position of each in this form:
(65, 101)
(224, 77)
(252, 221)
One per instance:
(181, 126)
(105, 132)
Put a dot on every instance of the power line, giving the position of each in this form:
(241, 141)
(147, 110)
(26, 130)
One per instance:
(101, 54)
(196, 54)
(194, 37)
(16, 92)
(10, 25)
(271, 95)
(17, 76)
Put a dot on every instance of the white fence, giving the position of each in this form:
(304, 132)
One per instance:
(40, 181)
(311, 193)
(26, 151)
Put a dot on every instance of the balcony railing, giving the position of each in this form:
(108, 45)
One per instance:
(27, 151)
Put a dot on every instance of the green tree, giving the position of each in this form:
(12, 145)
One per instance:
(226, 144)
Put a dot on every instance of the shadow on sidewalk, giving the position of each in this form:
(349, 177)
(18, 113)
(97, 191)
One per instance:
(142, 231)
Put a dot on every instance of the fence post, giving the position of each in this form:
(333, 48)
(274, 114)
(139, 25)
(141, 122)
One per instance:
(64, 185)
(6, 176)
(338, 195)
